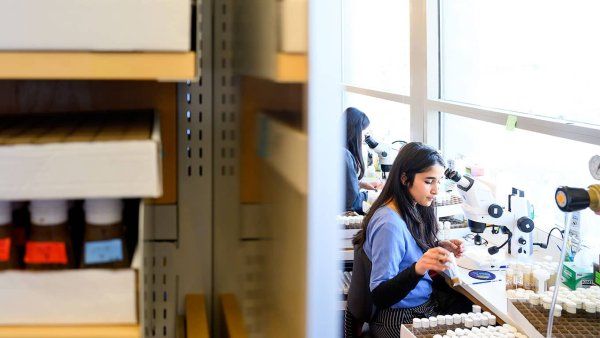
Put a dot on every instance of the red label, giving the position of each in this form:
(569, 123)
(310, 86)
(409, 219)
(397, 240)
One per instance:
(45, 253)
(4, 249)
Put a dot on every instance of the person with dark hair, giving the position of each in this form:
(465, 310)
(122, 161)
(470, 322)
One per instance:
(356, 123)
(399, 255)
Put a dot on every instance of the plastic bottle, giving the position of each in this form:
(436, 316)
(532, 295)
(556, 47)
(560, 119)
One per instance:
(540, 278)
(104, 244)
(9, 258)
(49, 245)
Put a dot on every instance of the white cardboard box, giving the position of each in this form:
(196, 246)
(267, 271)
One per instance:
(100, 25)
(73, 170)
(90, 296)
(294, 26)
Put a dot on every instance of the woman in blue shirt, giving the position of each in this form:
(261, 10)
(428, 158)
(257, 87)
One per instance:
(356, 123)
(398, 237)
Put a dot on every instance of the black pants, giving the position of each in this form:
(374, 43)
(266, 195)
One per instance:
(448, 300)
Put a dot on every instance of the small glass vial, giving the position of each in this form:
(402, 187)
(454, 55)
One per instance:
(518, 277)
(49, 245)
(9, 256)
(510, 279)
(104, 243)
(528, 277)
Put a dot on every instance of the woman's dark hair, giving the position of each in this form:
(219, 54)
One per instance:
(356, 122)
(413, 158)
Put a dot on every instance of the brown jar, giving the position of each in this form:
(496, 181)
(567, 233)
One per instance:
(49, 244)
(9, 257)
(104, 244)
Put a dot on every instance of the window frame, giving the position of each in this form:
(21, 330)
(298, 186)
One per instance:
(426, 105)
(424, 98)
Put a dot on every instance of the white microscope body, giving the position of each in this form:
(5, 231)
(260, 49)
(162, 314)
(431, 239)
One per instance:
(480, 209)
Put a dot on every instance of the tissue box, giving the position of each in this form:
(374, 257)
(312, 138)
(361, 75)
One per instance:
(575, 277)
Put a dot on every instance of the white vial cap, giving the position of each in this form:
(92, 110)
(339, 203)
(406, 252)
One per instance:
(441, 320)
(437, 336)
(456, 319)
(449, 320)
(48, 212)
(432, 322)
(450, 333)
(476, 321)
(424, 322)
(5, 213)
(476, 308)
(492, 320)
(103, 211)
(417, 323)
(469, 322)
(590, 307)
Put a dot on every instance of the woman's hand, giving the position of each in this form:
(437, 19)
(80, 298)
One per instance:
(434, 259)
(375, 185)
(456, 246)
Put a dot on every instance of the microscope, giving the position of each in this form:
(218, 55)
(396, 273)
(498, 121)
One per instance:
(480, 208)
(385, 152)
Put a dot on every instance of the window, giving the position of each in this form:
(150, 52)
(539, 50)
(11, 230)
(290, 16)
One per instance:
(390, 121)
(533, 162)
(535, 57)
(376, 45)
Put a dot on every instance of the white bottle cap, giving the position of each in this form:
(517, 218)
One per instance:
(416, 323)
(449, 320)
(441, 320)
(103, 211)
(5, 213)
(469, 322)
(557, 310)
(48, 212)
(424, 323)
(432, 321)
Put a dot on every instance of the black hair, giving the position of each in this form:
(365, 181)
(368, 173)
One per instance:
(413, 158)
(356, 122)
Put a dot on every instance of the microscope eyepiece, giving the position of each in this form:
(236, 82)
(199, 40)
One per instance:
(452, 175)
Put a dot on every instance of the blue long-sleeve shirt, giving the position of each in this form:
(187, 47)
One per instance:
(354, 197)
(391, 248)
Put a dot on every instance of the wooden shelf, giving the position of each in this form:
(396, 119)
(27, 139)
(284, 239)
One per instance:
(291, 68)
(124, 331)
(97, 66)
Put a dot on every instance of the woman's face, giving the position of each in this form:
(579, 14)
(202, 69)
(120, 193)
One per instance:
(426, 184)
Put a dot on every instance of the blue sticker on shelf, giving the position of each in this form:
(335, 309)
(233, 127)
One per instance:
(482, 275)
(98, 252)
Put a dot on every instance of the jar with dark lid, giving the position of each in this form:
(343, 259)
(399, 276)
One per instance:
(104, 237)
(9, 257)
(49, 245)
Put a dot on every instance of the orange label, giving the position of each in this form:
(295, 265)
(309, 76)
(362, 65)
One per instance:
(45, 253)
(4, 249)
